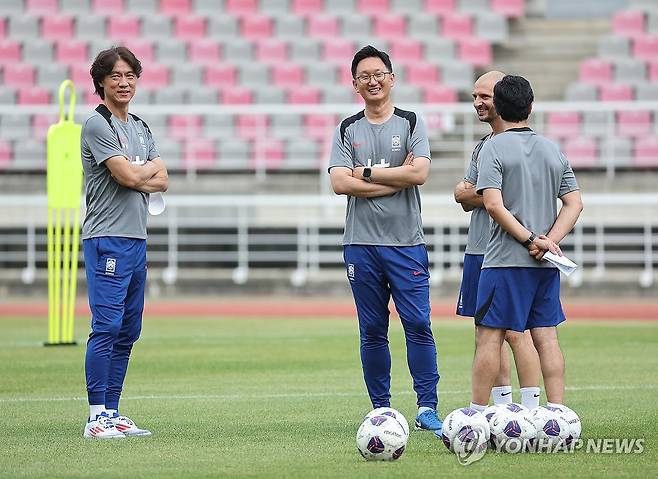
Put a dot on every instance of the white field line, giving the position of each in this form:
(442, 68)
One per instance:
(229, 397)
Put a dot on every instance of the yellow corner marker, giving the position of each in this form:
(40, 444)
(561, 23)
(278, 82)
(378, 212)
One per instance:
(64, 180)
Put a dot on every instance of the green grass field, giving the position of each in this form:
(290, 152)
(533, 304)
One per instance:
(283, 398)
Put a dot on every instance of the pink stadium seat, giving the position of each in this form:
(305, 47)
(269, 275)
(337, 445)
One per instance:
(287, 75)
(271, 50)
(199, 154)
(219, 75)
(407, 50)
(251, 126)
(91, 98)
(635, 124)
(143, 49)
(3, 28)
(595, 71)
(421, 74)
(304, 95)
(563, 124)
(307, 7)
(373, 7)
(338, 50)
(345, 75)
(509, 8)
(18, 75)
(123, 28)
(241, 7)
(40, 125)
(235, 95)
(5, 154)
(267, 153)
(154, 76)
(71, 51)
(322, 26)
(476, 51)
(80, 75)
(10, 52)
(190, 26)
(440, 6)
(42, 7)
(653, 71)
(185, 127)
(646, 47)
(439, 94)
(581, 152)
(457, 26)
(56, 27)
(616, 92)
(319, 126)
(33, 96)
(175, 7)
(204, 51)
(256, 26)
(108, 7)
(629, 23)
(646, 152)
(390, 26)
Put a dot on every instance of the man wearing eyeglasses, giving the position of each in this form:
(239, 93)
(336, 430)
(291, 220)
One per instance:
(379, 158)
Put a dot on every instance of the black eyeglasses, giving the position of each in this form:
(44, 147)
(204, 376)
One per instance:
(378, 76)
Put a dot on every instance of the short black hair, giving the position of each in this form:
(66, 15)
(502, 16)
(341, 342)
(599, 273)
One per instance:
(368, 52)
(104, 63)
(513, 97)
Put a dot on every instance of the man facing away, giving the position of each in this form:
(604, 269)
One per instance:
(121, 167)
(525, 354)
(522, 174)
(379, 158)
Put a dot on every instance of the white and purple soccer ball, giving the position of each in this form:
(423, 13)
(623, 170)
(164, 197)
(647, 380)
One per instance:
(515, 407)
(394, 413)
(573, 420)
(552, 429)
(512, 431)
(381, 438)
(465, 430)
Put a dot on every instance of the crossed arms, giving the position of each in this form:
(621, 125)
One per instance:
(151, 177)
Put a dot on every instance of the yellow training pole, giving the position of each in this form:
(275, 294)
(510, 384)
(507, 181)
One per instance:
(51, 279)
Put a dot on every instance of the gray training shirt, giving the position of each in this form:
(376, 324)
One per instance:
(113, 210)
(531, 173)
(392, 220)
(479, 229)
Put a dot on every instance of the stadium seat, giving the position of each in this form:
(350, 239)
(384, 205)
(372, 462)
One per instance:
(345, 76)
(390, 26)
(42, 7)
(287, 75)
(630, 70)
(123, 28)
(267, 153)
(184, 127)
(219, 75)
(171, 51)
(5, 155)
(200, 154)
(646, 92)
(256, 26)
(241, 7)
(3, 28)
(143, 7)
(475, 51)
(190, 27)
(143, 49)
(616, 151)
(562, 124)
(12, 8)
(598, 123)
(373, 7)
(238, 50)
(271, 50)
(108, 7)
(222, 27)
(71, 51)
(29, 154)
(439, 49)
(439, 94)
(629, 23)
(74, 7)
(306, 53)
(616, 92)
(157, 27)
(303, 95)
(90, 27)
(646, 152)
(337, 94)
(218, 126)
(187, 74)
(320, 74)
(322, 26)
(340, 6)
(18, 75)
(424, 27)
(635, 124)
(250, 126)
(170, 151)
(458, 75)
(200, 95)
(440, 6)
(55, 27)
(509, 8)
(51, 75)
(457, 26)
(7, 95)
(37, 51)
(407, 94)
(646, 47)
(290, 27)
(204, 51)
(175, 7)
(154, 76)
(491, 27)
(270, 96)
(33, 96)
(234, 154)
(581, 152)
(274, 7)
(236, 95)
(24, 27)
(319, 126)
(302, 154)
(407, 50)
(286, 126)
(15, 126)
(41, 124)
(614, 47)
(254, 74)
(422, 74)
(338, 50)
(353, 26)
(653, 71)
(307, 7)
(595, 71)
(582, 92)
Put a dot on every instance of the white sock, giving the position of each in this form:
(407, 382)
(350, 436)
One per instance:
(112, 412)
(501, 394)
(422, 409)
(477, 407)
(95, 410)
(530, 397)
(553, 404)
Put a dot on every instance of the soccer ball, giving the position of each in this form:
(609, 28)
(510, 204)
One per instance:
(575, 427)
(394, 413)
(465, 430)
(515, 407)
(381, 438)
(490, 411)
(552, 428)
(512, 431)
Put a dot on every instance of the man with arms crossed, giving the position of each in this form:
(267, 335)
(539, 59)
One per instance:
(121, 167)
(525, 354)
(522, 174)
(379, 158)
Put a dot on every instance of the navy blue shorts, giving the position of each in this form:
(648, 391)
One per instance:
(468, 294)
(519, 298)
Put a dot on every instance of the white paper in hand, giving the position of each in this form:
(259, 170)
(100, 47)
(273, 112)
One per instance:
(156, 203)
(563, 263)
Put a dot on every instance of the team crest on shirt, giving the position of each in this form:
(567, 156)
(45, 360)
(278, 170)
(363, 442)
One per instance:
(396, 143)
(350, 271)
(110, 266)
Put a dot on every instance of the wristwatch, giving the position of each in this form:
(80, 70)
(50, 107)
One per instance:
(367, 174)
(529, 241)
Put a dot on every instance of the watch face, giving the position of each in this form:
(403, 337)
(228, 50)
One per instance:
(366, 172)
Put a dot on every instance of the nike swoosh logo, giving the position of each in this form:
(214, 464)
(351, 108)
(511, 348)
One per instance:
(417, 273)
(506, 394)
(535, 395)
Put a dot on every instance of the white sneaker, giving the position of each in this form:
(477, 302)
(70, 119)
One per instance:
(102, 427)
(126, 426)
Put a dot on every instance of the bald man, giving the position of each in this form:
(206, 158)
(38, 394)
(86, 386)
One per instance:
(525, 354)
